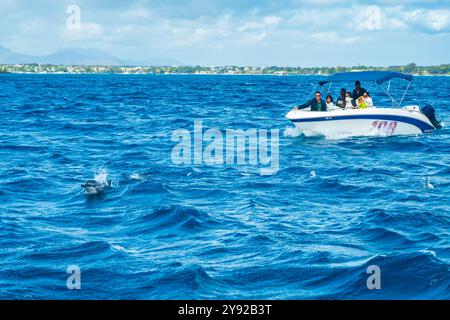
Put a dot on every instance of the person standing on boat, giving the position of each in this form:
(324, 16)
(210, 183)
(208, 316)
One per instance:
(358, 92)
(316, 104)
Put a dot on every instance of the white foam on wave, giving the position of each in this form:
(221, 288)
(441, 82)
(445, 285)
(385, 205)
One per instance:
(136, 176)
(291, 132)
(294, 132)
(348, 135)
(122, 249)
(429, 252)
(338, 136)
(428, 184)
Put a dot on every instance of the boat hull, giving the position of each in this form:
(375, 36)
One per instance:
(361, 122)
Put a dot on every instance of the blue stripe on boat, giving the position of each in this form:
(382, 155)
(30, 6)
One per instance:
(425, 127)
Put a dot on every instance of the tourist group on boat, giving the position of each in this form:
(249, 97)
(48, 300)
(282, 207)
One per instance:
(358, 99)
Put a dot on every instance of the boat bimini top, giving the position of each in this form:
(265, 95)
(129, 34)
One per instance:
(376, 76)
(379, 77)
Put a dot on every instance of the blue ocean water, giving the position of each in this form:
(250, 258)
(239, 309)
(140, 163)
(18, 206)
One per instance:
(167, 231)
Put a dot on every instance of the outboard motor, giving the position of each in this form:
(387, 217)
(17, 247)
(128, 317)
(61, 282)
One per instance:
(429, 112)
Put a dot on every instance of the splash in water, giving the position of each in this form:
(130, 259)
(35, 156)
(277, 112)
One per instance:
(136, 176)
(99, 184)
(428, 184)
(292, 132)
(101, 176)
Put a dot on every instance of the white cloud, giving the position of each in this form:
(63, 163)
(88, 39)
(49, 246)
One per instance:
(260, 24)
(271, 21)
(88, 30)
(430, 20)
(217, 28)
(333, 38)
(196, 37)
(256, 31)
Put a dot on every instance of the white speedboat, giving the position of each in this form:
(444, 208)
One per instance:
(373, 121)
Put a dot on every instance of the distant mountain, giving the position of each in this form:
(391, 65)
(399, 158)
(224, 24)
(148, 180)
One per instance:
(9, 57)
(79, 57)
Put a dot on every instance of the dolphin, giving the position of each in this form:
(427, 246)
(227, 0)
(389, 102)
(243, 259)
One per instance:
(92, 187)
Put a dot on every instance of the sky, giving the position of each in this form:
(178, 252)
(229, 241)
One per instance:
(235, 32)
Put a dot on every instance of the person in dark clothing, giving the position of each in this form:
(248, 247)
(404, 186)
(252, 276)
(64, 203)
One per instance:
(316, 104)
(358, 92)
(340, 102)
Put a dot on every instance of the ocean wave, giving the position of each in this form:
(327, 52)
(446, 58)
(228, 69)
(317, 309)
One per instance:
(193, 281)
(189, 231)
(430, 282)
(170, 219)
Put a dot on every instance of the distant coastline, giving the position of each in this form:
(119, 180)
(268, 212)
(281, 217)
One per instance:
(226, 70)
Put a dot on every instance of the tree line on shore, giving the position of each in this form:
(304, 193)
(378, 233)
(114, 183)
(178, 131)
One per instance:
(411, 68)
